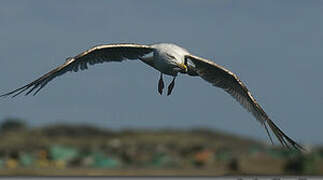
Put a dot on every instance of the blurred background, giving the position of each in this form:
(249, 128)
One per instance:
(110, 120)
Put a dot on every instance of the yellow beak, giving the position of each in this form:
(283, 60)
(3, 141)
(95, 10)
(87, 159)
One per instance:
(183, 67)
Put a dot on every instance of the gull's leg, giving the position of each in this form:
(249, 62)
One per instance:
(161, 84)
(171, 86)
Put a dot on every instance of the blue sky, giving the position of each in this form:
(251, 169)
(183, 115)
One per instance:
(275, 47)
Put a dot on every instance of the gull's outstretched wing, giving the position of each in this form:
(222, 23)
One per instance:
(228, 81)
(95, 55)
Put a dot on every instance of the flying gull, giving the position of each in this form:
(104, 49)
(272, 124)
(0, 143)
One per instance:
(169, 59)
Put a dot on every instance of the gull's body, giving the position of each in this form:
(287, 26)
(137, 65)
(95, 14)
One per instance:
(169, 59)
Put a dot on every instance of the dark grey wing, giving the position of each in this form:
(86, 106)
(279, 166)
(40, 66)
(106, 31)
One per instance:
(228, 81)
(95, 55)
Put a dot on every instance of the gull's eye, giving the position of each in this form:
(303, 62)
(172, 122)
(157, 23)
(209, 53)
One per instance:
(171, 56)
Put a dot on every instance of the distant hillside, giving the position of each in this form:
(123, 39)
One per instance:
(68, 148)
(83, 135)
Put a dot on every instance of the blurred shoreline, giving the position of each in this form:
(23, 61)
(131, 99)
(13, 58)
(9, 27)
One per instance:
(87, 150)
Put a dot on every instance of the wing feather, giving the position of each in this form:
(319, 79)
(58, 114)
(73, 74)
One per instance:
(229, 82)
(95, 55)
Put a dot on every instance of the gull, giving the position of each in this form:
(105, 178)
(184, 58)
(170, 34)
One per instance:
(169, 59)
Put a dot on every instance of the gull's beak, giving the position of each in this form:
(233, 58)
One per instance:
(183, 67)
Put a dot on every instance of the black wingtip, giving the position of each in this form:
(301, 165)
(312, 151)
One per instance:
(283, 138)
(271, 140)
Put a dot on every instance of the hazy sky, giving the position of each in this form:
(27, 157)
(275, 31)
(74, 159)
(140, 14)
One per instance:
(275, 47)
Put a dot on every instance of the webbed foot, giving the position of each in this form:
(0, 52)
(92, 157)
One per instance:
(171, 87)
(161, 84)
